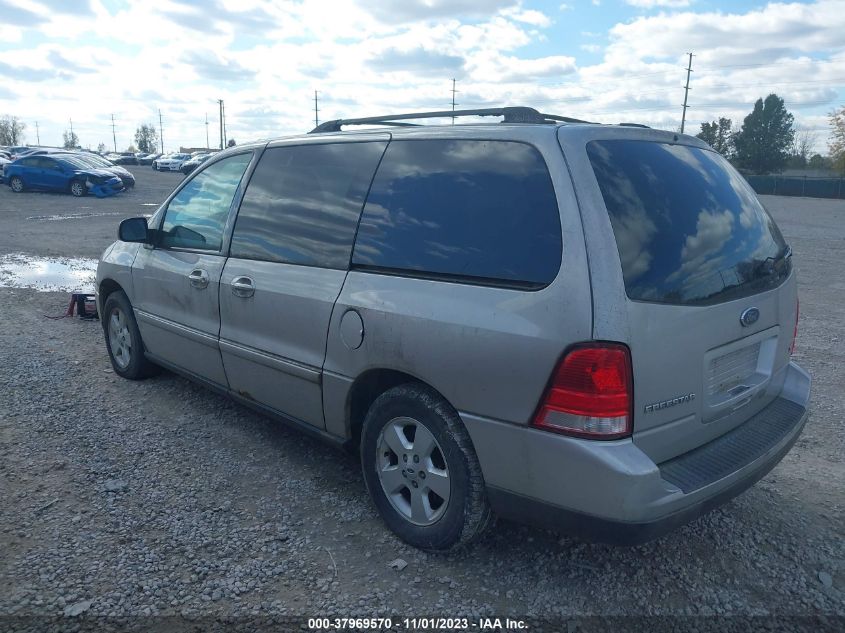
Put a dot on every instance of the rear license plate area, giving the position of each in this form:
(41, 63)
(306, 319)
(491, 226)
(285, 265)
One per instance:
(737, 371)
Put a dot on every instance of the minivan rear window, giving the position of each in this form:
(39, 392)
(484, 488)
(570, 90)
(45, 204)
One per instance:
(469, 211)
(688, 227)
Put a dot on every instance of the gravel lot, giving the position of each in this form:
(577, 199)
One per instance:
(158, 497)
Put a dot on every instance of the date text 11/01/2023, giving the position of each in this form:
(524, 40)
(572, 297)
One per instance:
(417, 624)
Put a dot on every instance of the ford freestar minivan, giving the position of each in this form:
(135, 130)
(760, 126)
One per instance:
(582, 326)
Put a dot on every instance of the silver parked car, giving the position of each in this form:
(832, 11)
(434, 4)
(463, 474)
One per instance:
(586, 327)
(171, 162)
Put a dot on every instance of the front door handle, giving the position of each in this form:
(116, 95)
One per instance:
(199, 278)
(243, 287)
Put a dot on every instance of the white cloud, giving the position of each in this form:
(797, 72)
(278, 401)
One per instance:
(528, 16)
(265, 58)
(405, 11)
(653, 4)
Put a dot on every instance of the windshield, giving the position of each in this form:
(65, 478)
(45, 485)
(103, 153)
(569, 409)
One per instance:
(688, 227)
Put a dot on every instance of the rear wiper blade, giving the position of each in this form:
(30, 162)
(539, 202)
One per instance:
(769, 263)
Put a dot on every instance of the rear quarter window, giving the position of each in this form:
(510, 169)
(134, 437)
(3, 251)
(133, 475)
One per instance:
(688, 227)
(462, 210)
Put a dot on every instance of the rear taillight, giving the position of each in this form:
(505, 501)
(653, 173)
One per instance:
(795, 331)
(591, 393)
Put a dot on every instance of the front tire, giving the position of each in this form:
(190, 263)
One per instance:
(421, 469)
(16, 184)
(78, 189)
(123, 339)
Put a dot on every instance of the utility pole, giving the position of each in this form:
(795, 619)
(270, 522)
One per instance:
(37, 134)
(161, 130)
(220, 117)
(207, 146)
(225, 132)
(113, 135)
(686, 93)
(453, 99)
(316, 110)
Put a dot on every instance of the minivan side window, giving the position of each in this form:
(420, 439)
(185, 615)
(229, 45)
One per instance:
(196, 216)
(303, 202)
(462, 210)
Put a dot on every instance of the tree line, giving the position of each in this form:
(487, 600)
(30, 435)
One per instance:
(768, 140)
(12, 133)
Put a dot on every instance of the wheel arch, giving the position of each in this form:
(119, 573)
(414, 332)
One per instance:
(366, 388)
(108, 286)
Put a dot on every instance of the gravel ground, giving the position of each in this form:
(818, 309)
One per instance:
(158, 497)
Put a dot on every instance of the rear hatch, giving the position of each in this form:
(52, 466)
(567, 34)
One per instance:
(702, 290)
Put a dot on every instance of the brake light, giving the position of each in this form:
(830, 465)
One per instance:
(795, 331)
(591, 393)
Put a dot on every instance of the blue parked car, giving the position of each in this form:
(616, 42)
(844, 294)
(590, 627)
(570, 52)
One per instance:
(47, 173)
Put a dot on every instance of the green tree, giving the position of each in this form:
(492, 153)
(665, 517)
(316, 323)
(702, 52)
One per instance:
(101, 148)
(817, 161)
(837, 139)
(763, 143)
(718, 135)
(11, 130)
(71, 140)
(146, 138)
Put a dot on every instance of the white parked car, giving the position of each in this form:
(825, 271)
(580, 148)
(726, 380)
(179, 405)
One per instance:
(171, 162)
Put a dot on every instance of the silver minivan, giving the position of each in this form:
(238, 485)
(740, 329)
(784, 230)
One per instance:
(585, 327)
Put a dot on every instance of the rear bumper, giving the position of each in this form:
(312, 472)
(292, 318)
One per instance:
(611, 491)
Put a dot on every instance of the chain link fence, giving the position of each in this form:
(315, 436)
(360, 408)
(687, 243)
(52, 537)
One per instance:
(798, 186)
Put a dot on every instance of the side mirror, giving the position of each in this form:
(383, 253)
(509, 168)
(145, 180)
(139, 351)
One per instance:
(133, 230)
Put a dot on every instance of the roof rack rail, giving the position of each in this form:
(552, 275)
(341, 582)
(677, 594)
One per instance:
(515, 114)
(634, 125)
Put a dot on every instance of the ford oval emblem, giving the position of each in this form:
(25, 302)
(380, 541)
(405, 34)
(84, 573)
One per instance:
(749, 317)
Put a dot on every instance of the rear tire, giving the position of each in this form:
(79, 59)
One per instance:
(421, 469)
(16, 184)
(123, 339)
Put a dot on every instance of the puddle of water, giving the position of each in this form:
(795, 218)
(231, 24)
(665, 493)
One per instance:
(70, 216)
(48, 274)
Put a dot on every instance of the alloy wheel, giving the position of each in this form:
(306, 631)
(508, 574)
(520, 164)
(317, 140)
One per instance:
(120, 339)
(412, 470)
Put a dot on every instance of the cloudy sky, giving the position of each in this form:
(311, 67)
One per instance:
(603, 60)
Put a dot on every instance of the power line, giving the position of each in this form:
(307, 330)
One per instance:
(781, 63)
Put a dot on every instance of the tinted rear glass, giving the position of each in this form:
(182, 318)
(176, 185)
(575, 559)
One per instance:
(689, 229)
(465, 210)
(303, 203)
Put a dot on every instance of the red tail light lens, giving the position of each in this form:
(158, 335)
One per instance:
(795, 331)
(590, 394)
